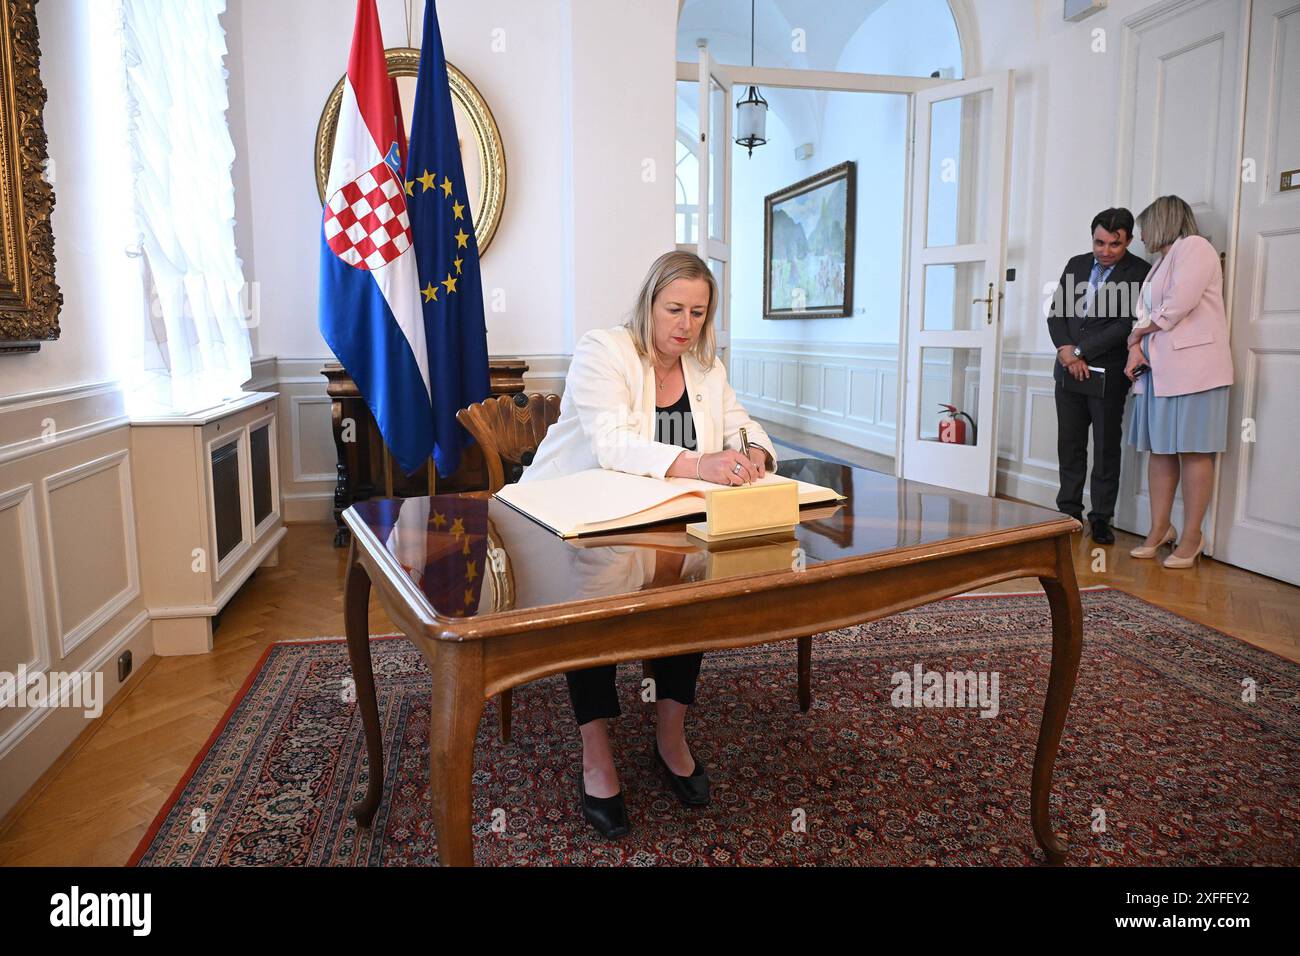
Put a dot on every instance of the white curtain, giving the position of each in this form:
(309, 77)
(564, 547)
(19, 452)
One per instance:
(192, 350)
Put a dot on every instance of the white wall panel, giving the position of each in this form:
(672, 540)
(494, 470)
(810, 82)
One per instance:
(90, 538)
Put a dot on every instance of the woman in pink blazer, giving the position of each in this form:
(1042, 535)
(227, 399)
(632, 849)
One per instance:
(1180, 406)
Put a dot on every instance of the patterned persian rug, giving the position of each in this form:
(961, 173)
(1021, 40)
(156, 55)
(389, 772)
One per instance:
(1181, 748)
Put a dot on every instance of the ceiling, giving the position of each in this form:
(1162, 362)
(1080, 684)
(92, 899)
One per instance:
(833, 41)
(828, 26)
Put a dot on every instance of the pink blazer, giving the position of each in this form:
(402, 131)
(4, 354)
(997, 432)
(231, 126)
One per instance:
(1190, 352)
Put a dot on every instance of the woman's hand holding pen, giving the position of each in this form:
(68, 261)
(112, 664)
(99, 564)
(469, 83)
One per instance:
(729, 467)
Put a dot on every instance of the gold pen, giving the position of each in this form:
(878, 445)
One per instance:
(744, 444)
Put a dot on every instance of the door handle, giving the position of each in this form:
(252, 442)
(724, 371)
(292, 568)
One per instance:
(988, 303)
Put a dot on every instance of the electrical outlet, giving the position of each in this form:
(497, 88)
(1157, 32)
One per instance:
(124, 666)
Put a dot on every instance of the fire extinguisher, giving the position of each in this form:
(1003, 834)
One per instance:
(952, 430)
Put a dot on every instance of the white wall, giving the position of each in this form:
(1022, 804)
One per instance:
(836, 377)
(584, 121)
(70, 593)
(867, 128)
(578, 114)
(1065, 132)
(86, 186)
(621, 81)
(870, 129)
(770, 168)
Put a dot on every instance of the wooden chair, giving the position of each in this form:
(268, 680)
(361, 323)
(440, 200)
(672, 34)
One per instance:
(509, 428)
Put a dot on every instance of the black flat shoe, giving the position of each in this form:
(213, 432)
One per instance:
(607, 814)
(1101, 532)
(693, 791)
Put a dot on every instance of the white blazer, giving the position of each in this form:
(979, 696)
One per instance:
(607, 413)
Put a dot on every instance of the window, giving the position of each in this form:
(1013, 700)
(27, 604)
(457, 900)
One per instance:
(184, 341)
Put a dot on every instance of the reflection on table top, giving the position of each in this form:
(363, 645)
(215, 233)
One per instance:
(473, 556)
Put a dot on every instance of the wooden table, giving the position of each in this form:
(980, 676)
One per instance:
(493, 600)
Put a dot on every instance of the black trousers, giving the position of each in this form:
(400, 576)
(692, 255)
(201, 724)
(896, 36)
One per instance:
(593, 693)
(1074, 414)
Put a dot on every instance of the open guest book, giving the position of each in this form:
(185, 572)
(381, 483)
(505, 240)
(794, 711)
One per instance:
(595, 500)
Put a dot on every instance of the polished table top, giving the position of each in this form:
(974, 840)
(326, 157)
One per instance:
(494, 600)
(474, 557)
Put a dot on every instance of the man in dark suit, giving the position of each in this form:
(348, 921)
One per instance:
(1090, 320)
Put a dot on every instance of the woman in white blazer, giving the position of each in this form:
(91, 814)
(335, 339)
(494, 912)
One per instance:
(650, 398)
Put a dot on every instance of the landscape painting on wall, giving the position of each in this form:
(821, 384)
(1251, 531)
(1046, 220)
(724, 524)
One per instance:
(808, 247)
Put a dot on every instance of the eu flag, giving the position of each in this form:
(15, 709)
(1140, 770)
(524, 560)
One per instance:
(442, 230)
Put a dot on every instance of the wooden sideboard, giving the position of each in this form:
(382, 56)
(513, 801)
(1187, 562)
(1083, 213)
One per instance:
(366, 470)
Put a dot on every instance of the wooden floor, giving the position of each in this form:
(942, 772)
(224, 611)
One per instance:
(794, 443)
(96, 803)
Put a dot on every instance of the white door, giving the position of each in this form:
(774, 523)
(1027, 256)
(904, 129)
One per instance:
(956, 267)
(1182, 63)
(1258, 520)
(713, 221)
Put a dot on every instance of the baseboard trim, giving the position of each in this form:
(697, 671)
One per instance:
(42, 783)
(21, 730)
(308, 508)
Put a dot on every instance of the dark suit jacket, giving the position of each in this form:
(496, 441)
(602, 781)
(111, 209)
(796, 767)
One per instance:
(1102, 334)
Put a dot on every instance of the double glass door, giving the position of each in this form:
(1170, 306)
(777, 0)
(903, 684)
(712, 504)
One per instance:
(950, 350)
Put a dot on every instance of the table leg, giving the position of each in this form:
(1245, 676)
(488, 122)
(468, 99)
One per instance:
(455, 709)
(356, 610)
(1067, 644)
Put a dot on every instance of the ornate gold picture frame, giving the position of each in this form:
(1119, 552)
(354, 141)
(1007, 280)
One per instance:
(404, 62)
(808, 246)
(29, 296)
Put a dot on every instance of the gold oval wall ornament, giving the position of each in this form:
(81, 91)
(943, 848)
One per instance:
(405, 62)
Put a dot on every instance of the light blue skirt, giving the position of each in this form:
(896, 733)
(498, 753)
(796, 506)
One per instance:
(1178, 423)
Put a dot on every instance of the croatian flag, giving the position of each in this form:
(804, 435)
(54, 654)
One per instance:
(370, 312)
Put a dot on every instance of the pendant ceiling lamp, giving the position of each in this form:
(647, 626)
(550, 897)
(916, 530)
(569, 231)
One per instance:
(751, 112)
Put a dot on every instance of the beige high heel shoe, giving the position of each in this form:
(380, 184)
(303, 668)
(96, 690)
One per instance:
(1142, 551)
(1173, 561)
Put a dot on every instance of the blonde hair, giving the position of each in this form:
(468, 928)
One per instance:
(666, 269)
(1165, 221)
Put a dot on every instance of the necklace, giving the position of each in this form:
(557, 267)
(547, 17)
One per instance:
(662, 381)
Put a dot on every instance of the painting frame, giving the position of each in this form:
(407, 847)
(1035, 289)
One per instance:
(827, 179)
(29, 295)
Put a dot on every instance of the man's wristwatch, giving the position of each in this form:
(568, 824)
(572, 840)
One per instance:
(1077, 352)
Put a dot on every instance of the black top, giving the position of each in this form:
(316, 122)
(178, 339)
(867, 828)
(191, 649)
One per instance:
(674, 424)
